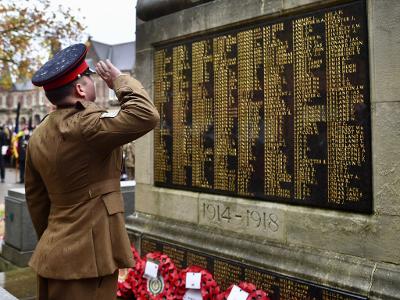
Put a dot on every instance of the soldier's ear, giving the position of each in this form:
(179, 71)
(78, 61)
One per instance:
(79, 90)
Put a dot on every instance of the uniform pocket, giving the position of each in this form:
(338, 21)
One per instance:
(113, 202)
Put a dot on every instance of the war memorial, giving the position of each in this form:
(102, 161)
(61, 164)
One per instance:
(276, 158)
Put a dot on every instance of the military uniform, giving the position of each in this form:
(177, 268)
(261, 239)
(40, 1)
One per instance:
(72, 180)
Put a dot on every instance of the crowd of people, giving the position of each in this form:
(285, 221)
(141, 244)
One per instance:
(13, 150)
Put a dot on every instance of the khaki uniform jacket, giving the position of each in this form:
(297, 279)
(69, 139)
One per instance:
(72, 184)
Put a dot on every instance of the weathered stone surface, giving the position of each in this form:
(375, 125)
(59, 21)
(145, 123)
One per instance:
(289, 4)
(174, 204)
(382, 243)
(144, 168)
(385, 56)
(178, 205)
(144, 69)
(385, 282)
(386, 157)
(146, 199)
(329, 230)
(207, 16)
(370, 237)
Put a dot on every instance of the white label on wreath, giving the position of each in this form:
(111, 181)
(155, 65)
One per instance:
(237, 294)
(151, 270)
(193, 295)
(193, 280)
(155, 285)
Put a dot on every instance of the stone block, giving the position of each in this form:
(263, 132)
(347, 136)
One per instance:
(385, 39)
(19, 231)
(386, 157)
(146, 199)
(382, 243)
(168, 203)
(144, 69)
(179, 205)
(144, 161)
(329, 230)
(128, 193)
(365, 236)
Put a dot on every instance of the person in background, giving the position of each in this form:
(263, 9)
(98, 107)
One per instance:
(22, 144)
(129, 159)
(3, 147)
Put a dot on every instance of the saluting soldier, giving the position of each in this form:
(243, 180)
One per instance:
(72, 177)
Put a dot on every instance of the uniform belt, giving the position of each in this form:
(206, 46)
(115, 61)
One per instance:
(86, 193)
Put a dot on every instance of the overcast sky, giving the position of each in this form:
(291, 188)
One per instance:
(110, 22)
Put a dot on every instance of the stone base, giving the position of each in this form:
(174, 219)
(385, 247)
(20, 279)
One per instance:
(374, 280)
(16, 257)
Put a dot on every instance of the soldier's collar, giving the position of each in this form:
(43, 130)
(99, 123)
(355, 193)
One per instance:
(81, 104)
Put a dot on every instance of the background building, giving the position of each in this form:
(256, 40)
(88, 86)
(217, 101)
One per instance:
(34, 104)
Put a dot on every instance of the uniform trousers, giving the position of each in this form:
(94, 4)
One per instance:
(99, 288)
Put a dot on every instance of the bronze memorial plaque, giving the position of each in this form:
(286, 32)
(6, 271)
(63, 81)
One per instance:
(227, 272)
(277, 110)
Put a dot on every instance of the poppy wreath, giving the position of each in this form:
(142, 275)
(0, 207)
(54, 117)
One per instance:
(250, 288)
(133, 282)
(208, 286)
(167, 273)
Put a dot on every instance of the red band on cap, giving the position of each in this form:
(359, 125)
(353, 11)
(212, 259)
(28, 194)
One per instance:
(67, 78)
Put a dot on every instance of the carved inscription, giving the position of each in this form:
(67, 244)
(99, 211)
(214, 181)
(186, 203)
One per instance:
(277, 111)
(250, 219)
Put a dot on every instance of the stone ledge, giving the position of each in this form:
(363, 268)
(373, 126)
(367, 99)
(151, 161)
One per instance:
(385, 282)
(352, 234)
(322, 267)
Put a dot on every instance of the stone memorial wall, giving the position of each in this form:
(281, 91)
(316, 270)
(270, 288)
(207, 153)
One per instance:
(277, 111)
(277, 154)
